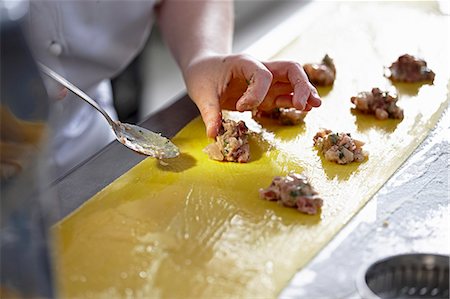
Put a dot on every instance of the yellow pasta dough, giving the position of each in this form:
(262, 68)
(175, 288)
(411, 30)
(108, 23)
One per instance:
(196, 228)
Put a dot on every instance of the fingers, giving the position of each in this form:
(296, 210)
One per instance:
(259, 79)
(211, 114)
(239, 82)
(304, 91)
(283, 101)
(279, 95)
(270, 85)
(314, 98)
(305, 95)
(307, 107)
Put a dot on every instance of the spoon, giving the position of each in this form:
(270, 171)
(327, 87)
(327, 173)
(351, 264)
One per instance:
(134, 137)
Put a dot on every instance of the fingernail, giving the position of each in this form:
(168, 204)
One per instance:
(314, 91)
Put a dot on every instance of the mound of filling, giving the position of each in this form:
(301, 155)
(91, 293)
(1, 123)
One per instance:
(380, 103)
(409, 69)
(285, 116)
(231, 143)
(295, 191)
(340, 148)
(322, 74)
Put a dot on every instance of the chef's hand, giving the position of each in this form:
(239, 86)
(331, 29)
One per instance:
(240, 82)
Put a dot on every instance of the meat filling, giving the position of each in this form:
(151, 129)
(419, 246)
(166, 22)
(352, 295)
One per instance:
(409, 69)
(295, 191)
(380, 103)
(322, 74)
(340, 148)
(231, 143)
(285, 116)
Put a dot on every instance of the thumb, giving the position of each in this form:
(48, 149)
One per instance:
(211, 114)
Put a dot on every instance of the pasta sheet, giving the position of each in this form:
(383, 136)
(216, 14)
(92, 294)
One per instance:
(196, 228)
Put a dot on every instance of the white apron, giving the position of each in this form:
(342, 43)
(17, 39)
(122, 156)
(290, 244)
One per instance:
(88, 42)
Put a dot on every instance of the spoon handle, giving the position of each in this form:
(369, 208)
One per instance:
(52, 74)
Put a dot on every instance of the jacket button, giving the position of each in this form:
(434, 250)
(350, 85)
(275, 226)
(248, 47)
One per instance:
(55, 48)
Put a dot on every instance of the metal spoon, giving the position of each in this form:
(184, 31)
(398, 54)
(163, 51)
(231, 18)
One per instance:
(134, 137)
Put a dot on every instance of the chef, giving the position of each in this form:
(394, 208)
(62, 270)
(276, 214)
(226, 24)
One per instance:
(89, 42)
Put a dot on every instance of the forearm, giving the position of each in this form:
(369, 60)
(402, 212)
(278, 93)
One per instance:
(195, 28)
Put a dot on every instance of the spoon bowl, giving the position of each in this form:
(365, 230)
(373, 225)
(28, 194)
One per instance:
(145, 141)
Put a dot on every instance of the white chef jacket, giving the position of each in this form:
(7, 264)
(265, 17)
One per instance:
(88, 42)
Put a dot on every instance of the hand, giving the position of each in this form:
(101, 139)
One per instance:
(240, 82)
